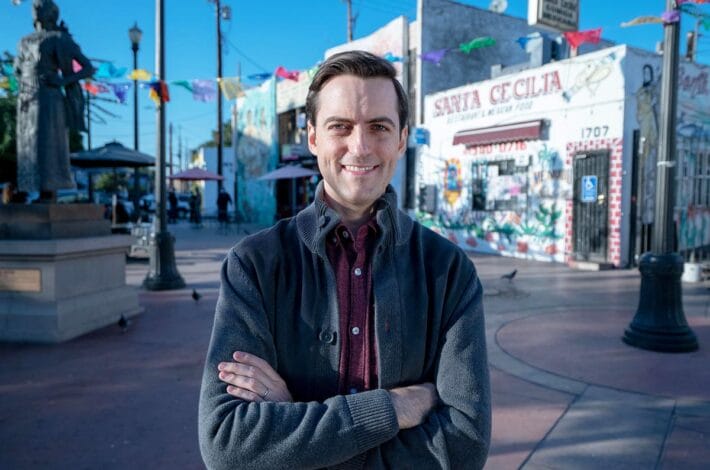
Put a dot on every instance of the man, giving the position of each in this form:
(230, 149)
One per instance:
(223, 202)
(348, 336)
(172, 206)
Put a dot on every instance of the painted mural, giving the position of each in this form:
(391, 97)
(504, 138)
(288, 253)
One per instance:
(257, 153)
(692, 202)
(511, 198)
(693, 140)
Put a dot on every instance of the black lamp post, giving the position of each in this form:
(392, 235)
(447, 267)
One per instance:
(135, 34)
(659, 323)
(163, 273)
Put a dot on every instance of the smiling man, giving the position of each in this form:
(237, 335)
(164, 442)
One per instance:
(348, 336)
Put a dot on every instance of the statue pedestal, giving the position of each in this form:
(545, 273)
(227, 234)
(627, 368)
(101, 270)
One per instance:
(50, 221)
(55, 289)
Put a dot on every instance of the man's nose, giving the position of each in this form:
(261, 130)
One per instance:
(358, 143)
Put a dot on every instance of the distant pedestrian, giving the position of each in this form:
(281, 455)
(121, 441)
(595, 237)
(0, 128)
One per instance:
(172, 206)
(196, 207)
(223, 202)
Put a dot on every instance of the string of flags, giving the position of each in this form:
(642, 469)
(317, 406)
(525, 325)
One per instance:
(106, 77)
(577, 38)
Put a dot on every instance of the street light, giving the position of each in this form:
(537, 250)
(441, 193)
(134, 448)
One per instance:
(135, 34)
(226, 13)
(659, 323)
(163, 273)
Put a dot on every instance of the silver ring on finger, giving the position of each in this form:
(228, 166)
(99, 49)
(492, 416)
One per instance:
(266, 393)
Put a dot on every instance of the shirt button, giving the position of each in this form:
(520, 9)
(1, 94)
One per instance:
(346, 235)
(352, 391)
(358, 272)
(355, 330)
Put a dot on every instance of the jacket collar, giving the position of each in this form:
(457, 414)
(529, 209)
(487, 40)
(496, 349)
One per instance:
(317, 220)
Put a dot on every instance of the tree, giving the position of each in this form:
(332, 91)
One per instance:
(226, 136)
(8, 137)
(8, 141)
(113, 182)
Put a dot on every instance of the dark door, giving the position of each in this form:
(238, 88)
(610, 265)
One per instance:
(591, 220)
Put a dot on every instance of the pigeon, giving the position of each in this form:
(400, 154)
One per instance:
(510, 275)
(123, 324)
(195, 295)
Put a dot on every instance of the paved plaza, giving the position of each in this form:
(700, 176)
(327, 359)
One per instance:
(567, 393)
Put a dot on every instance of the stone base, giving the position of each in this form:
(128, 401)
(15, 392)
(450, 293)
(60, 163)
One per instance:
(55, 290)
(52, 221)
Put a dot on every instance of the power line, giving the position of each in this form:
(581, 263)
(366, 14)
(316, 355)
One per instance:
(248, 59)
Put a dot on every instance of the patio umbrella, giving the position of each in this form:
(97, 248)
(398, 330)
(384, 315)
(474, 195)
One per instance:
(112, 155)
(196, 174)
(290, 172)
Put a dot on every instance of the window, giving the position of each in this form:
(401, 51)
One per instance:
(498, 185)
(693, 176)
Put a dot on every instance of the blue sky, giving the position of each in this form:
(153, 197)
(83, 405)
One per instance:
(260, 36)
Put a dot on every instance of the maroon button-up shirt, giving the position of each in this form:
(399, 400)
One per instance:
(351, 259)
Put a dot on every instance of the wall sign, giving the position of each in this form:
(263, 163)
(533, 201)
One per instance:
(589, 188)
(559, 15)
(20, 280)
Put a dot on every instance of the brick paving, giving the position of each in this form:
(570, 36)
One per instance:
(567, 393)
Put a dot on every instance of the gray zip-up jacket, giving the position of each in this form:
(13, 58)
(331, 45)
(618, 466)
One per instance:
(278, 300)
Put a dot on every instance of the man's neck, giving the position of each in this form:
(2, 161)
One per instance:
(352, 219)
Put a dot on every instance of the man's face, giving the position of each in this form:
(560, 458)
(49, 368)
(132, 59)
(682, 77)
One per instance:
(356, 139)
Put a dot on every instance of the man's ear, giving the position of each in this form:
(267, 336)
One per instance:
(403, 137)
(312, 138)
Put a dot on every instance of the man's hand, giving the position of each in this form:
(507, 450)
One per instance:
(251, 378)
(413, 403)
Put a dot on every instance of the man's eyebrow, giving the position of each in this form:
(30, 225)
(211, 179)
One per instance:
(336, 119)
(376, 120)
(382, 119)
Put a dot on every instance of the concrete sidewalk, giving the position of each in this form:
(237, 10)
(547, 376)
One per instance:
(567, 393)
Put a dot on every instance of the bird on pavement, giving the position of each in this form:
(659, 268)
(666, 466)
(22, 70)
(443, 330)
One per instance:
(510, 275)
(195, 295)
(123, 324)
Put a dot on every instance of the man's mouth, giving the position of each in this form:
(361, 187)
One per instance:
(359, 169)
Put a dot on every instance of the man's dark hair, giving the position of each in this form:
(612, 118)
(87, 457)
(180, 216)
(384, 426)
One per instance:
(360, 64)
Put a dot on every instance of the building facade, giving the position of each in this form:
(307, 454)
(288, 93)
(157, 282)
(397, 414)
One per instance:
(558, 162)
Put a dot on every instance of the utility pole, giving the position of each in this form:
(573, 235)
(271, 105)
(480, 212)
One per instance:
(179, 147)
(170, 147)
(659, 323)
(88, 120)
(163, 273)
(220, 138)
(350, 19)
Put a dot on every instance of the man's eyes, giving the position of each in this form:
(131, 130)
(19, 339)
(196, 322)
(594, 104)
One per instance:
(346, 127)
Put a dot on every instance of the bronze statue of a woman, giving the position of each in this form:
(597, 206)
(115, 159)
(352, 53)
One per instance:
(49, 102)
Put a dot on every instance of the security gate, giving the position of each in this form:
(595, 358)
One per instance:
(591, 220)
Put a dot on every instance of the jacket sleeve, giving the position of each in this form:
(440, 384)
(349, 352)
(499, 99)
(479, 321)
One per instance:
(457, 434)
(239, 434)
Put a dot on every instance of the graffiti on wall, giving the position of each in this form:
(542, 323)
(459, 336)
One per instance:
(646, 116)
(507, 203)
(257, 153)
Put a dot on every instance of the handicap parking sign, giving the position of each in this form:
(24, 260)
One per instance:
(589, 188)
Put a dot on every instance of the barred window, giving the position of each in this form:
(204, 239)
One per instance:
(693, 175)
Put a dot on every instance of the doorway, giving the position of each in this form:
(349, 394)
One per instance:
(591, 215)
